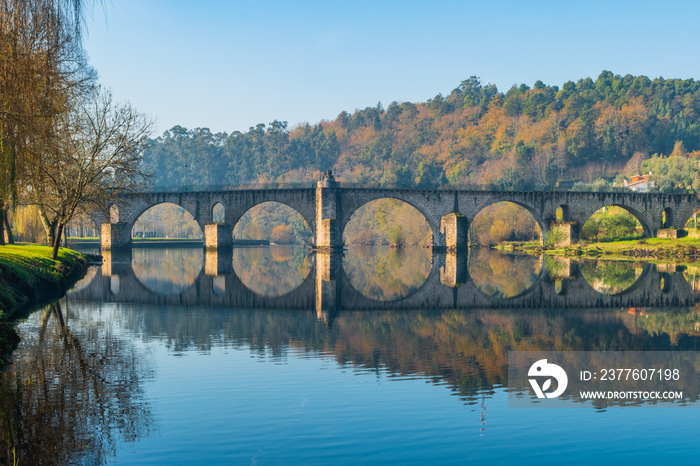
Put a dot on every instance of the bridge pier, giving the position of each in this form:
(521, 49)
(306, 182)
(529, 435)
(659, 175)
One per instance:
(217, 236)
(115, 235)
(455, 227)
(328, 235)
(562, 234)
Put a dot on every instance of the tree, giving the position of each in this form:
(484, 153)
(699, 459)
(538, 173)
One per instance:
(41, 62)
(282, 234)
(96, 152)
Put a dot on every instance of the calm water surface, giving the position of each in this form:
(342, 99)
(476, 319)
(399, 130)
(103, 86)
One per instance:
(174, 356)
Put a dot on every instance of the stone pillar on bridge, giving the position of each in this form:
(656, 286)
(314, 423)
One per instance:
(327, 235)
(115, 235)
(217, 236)
(328, 273)
(455, 227)
(561, 234)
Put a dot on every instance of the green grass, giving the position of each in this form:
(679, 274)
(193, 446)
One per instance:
(27, 273)
(29, 278)
(641, 248)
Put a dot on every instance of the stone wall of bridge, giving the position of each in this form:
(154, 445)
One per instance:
(329, 207)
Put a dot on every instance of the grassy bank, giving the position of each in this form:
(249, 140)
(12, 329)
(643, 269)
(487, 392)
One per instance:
(649, 248)
(29, 278)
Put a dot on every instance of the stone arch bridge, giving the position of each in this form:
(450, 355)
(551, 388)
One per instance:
(327, 209)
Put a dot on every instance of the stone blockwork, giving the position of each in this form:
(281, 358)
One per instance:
(115, 235)
(328, 208)
(561, 234)
(455, 227)
(328, 235)
(669, 233)
(217, 236)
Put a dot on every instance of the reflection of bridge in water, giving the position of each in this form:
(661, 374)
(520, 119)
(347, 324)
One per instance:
(328, 289)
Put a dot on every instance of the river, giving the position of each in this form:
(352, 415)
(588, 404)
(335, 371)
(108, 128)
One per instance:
(275, 355)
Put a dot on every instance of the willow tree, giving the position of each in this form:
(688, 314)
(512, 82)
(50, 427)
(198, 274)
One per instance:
(41, 65)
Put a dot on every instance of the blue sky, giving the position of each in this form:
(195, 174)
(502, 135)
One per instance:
(228, 65)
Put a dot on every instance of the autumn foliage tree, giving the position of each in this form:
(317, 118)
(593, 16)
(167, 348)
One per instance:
(282, 234)
(475, 136)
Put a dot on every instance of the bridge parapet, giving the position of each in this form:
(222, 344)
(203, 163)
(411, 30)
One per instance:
(328, 208)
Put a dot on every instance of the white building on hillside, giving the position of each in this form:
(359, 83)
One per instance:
(640, 183)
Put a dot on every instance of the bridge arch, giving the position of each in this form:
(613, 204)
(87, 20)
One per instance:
(235, 220)
(412, 198)
(142, 208)
(114, 213)
(561, 214)
(637, 213)
(218, 213)
(130, 212)
(387, 221)
(382, 274)
(167, 272)
(541, 223)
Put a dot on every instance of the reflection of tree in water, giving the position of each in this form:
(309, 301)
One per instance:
(610, 277)
(501, 275)
(272, 270)
(167, 271)
(469, 349)
(71, 393)
(692, 276)
(385, 273)
(677, 323)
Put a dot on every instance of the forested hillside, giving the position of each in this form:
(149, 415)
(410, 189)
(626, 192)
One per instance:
(525, 138)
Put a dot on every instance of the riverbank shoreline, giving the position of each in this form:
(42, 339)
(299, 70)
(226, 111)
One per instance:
(29, 278)
(646, 248)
